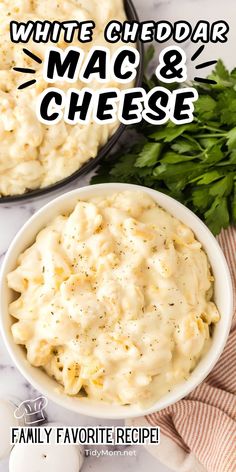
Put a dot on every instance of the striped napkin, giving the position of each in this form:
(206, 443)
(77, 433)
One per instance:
(198, 433)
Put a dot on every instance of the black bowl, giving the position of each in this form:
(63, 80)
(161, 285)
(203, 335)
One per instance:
(92, 163)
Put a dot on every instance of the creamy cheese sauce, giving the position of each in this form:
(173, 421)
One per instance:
(33, 155)
(116, 299)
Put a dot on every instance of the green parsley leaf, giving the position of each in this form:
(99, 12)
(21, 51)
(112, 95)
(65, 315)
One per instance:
(174, 158)
(217, 217)
(223, 187)
(149, 155)
(182, 146)
(170, 133)
(231, 139)
(205, 107)
(201, 198)
(221, 71)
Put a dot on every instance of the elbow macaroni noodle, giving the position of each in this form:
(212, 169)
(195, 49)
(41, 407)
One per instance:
(33, 155)
(115, 300)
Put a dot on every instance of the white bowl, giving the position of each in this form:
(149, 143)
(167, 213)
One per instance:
(223, 297)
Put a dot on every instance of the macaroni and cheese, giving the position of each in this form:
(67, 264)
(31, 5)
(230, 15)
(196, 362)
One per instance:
(33, 155)
(115, 300)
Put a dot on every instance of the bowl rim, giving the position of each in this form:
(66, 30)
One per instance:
(89, 165)
(85, 408)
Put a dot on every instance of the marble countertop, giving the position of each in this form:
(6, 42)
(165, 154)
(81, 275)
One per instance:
(13, 216)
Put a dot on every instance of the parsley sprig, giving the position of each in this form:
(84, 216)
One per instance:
(194, 163)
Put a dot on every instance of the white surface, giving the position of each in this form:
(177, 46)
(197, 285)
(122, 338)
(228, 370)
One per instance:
(7, 420)
(223, 297)
(44, 458)
(12, 217)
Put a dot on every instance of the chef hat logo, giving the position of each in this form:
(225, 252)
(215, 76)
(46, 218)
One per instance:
(32, 411)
